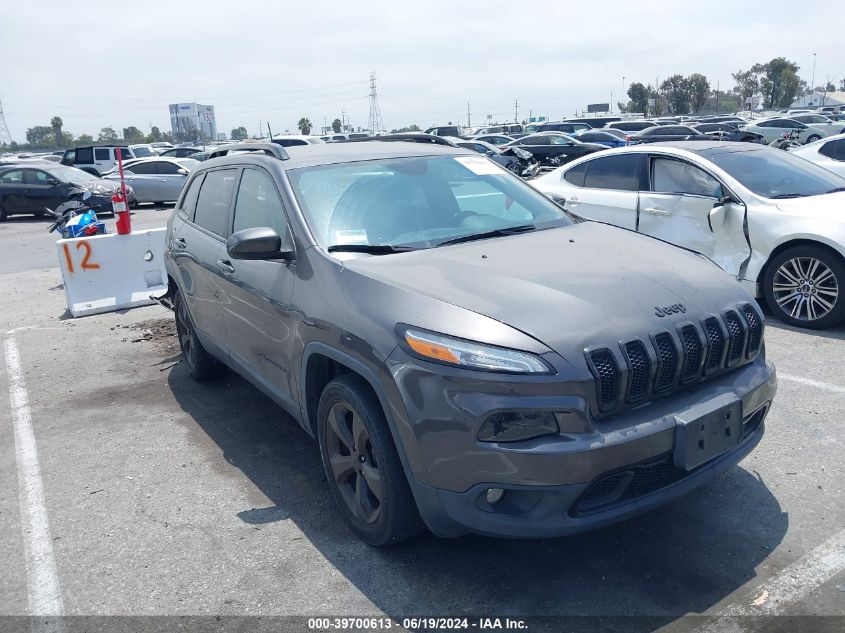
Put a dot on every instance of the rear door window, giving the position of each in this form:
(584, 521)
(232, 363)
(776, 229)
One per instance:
(14, 177)
(575, 176)
(141, 169)
(676, 176)
(834, 149)
(102, 153)
(189, 200)
(214, 199)
(620, 173)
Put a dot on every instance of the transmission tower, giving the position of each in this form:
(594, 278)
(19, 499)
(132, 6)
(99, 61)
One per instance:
(5, 135)
(376, 123)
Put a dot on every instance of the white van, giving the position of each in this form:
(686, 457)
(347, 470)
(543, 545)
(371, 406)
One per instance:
(96, 160)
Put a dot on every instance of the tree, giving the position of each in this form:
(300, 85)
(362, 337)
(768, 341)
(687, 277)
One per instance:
(747, 85)
(56, 124)
(40, 136)
(85, 139)
(698, 89)
(188, 132)
(337, 125)
(638, 94)
(132, 134)
(778, 81)
(154, 136)
(107, 134)
(304, 126)
(239, 133)
(676, 91)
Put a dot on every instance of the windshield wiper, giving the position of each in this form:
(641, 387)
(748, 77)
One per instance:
(510, 230)
(374, 249)
(781, 196)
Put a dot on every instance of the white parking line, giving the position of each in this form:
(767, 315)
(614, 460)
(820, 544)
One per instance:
(42, 580)
(788, 586)
(826, 386)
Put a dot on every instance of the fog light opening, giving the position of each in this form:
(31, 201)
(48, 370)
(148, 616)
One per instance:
(495, 495)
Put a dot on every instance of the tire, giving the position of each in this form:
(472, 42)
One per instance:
(804, 287)
(515, 168)
(202, 366)
(3, 214)
(812, 138)
(360, 474)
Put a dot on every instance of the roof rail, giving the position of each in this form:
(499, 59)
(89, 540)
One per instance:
(271, 149)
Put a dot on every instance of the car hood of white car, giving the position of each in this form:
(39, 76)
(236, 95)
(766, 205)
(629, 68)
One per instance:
(829, 206)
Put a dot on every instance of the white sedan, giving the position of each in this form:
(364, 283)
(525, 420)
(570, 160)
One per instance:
(770, 219)
(828, 153)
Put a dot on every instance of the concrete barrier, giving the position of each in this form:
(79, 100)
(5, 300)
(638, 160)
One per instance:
(111, 272)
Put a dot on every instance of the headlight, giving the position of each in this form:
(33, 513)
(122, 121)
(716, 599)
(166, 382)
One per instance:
(101, 190)
(461, 353)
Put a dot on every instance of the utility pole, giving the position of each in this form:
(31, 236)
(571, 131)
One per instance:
(343, 120)
(611, 102)
(813, 80)
(717, 97)
(5, 135)
(469, 122)
(516, 110)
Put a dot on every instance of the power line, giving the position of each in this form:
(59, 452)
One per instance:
(376, 124)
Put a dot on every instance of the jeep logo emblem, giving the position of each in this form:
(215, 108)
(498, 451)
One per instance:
(667, 310)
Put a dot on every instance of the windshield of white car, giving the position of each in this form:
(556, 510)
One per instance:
(417, 202)
(772, 173)
(143, 152)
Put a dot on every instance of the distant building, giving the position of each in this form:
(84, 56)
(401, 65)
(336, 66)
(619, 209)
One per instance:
(819, 99)
(185, 117)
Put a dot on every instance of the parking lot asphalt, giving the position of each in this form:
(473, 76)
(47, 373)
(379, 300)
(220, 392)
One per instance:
(167, 497)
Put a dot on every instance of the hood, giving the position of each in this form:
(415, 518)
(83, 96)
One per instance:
(569, 288)
(827, 206)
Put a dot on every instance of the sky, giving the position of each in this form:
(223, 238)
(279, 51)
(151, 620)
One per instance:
(96, 63)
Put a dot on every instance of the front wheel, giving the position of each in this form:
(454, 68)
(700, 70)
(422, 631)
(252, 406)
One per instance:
(201, 365)
(361, 464)
(803, 287)
(813, 138)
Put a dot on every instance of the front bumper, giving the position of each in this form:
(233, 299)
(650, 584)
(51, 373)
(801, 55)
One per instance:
(558, 485)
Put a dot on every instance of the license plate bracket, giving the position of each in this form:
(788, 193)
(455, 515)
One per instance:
(707, 430)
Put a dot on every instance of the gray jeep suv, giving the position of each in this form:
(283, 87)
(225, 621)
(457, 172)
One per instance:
(468, 356)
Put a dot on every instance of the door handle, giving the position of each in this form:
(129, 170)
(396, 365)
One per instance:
(654, 211)
(180, 243)
(225, 264)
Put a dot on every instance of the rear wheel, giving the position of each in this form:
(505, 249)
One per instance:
(803, 286)
(361, 464)
(813, 137)
(201, 365)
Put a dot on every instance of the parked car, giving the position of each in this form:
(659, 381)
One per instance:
(143, 150)
(180, 152)
(162, 145)
(630, 126)
(828, 153)
(602, 137)
(568, 127)
(729, 132)
(451, 338)
(29, 187)
(342, 136)
(669, 133)
(447, 130)
(768, 218)
(514, 159)
(554, 148)
(595, 121)
(505, 129)
(823, 123)
(774, 129)
(494, 139)
(156, 179)
(292, 140)
(95, 159)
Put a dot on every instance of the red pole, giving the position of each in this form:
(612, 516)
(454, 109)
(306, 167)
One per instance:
(124, 223)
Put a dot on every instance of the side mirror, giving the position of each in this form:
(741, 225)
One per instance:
(182, 172)
(556, 198)
(257, 243)
(490, 152)
(716, 217)
(53, 182)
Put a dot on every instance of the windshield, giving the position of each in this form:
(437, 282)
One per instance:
(773, 173)
(72, 175)
(143, 152)
(417, 202)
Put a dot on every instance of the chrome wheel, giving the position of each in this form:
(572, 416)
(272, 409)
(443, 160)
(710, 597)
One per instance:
(353, 464)
(805, 288)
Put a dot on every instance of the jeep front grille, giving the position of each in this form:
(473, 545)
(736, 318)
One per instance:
(666, 361)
